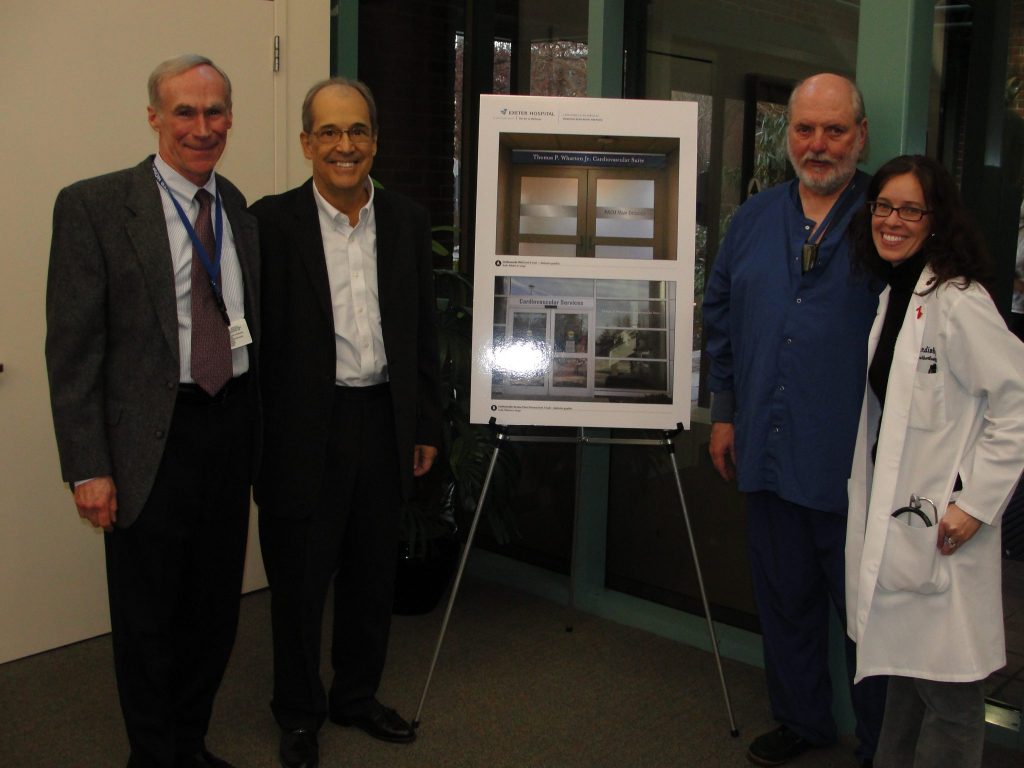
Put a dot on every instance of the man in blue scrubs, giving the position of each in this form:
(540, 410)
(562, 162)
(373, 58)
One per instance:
(786, 327)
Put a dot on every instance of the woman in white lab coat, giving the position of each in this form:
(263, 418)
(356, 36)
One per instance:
(943, 421)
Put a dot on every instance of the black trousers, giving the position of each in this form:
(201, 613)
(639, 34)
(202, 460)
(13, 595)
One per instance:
(351, 536)
(174, 578)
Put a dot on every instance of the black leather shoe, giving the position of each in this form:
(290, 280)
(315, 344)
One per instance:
(380, 722)
(299, 749)
(776, 747)
(206, 759)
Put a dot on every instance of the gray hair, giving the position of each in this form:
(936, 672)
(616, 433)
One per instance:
(179, 65)
(856, 97)
(358, 85)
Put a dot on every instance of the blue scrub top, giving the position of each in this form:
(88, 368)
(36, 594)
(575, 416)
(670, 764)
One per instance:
(789, 350)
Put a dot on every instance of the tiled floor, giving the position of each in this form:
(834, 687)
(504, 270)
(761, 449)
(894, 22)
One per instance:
(1007, 685)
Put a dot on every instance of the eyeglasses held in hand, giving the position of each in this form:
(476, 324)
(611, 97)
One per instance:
(905, 212)
(331, 134)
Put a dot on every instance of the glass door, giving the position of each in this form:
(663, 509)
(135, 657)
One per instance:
(548, 213)
(572, 369)
(550, 352)
(621, 220)
(532, 352)
(570, 211)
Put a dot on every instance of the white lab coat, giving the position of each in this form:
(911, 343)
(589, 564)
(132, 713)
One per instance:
(932, 616)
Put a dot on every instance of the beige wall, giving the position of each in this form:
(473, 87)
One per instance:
(74, 90)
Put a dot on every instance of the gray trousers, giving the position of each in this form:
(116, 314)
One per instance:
(931, 724)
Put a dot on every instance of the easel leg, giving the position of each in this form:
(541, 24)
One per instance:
(458, 575)
(733, 731)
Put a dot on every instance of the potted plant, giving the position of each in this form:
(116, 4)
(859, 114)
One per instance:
(446, 497)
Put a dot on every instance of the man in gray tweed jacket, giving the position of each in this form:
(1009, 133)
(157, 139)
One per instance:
(151, 351)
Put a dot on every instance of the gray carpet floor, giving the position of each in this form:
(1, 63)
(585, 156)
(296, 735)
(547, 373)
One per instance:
(513, 689)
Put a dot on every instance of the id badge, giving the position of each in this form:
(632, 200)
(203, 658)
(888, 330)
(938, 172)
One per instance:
(808, 257)
(238, 333)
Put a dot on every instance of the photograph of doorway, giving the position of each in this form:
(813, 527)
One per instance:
(604, 197)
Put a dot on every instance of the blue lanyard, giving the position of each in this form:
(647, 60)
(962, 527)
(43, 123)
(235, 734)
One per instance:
(212, 267)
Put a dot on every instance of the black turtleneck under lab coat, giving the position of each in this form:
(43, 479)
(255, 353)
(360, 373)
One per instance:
(902, 279)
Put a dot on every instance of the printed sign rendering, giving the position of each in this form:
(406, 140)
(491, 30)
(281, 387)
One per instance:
(584, 266)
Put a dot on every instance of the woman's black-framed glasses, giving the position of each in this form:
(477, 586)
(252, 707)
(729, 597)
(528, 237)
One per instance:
(905, 212)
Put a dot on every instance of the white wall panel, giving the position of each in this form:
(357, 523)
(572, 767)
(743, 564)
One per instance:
(74, 95)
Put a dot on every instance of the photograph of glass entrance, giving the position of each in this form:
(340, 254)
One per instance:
(604, 197)
(583, 339)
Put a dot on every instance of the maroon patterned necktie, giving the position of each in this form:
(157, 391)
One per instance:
(211, 348)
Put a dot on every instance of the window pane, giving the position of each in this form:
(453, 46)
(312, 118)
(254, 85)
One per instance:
(624, 343)
(630, 374)
(569, 372)
(571, 333)
(625, 208)
(547, 206)
(631, 314)
(502, 66)
(551, 286)
(558, 68)
(770, 159)
(703, 51)
(631, 289)
(705, 131)
(623, 251)
(561, 250)
(529, 325)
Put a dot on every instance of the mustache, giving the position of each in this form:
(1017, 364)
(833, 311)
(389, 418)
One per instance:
(819, 157)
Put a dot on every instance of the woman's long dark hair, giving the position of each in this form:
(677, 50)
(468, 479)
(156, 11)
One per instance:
(955, 249)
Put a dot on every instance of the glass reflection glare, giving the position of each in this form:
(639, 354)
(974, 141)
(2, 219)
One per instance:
(520, 358)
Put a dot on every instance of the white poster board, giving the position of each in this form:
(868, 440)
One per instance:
(584, 266)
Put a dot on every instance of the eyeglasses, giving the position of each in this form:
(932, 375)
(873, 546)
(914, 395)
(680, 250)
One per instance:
(905, 212)
(330, 134)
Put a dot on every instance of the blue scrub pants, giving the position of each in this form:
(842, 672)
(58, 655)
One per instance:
(797, 564)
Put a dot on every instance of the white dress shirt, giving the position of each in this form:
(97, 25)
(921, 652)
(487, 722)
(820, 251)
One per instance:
(351, 254)
(181, 260)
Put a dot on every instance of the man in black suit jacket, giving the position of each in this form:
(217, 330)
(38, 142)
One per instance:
(352, 413)
(151, 361)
